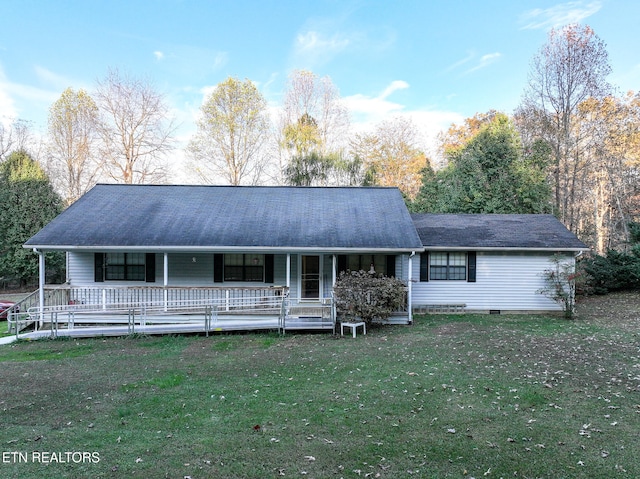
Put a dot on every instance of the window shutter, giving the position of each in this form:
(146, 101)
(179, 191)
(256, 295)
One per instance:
(150, 268)
(98, 271)
(391, 266)
(218, 268)
(342, 263)
(471, 266)
(268, 268)
(424, 266)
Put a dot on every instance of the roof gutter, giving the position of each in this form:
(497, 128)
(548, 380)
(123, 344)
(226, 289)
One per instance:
(497, 249)
(284, 249)
(216, 249)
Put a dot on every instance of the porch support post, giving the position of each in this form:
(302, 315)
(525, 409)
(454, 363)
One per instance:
(289, 271)
(41, 281)
(166, 281)
(333, 271)
(409, 282)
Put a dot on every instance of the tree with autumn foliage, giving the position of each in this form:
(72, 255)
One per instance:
(488, 173)
(311, 129)
(610, 193)
(457, 135)
(232, 130)
(73, 143)
(571, 68)
(393, 155)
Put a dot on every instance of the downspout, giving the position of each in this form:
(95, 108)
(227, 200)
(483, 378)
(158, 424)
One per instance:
(41, 281)
(409, 281)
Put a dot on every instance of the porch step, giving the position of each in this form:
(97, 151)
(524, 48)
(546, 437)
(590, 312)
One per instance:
(308, 323)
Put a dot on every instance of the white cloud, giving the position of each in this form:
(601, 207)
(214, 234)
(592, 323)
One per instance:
(312, 41)
(558, 15)
(461, 62)
(373, 109)
(473, 63)
(190, 62)
(52, 79)
(7, 104)
(369, 111)
(314, 48)
(485, 61)
(395, 85)
(430, 123)
(27, 101)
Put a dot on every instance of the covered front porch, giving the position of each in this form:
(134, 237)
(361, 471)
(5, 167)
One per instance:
(91, 311)
(134, 250)
(97, 310)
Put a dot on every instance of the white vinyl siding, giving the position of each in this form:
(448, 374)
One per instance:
(504, 281)
(80, 269)
(185, 269)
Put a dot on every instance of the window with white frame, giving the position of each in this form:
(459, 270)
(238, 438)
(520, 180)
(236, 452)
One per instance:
(448, 266)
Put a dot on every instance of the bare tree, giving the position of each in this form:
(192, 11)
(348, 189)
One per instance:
(313, 118)
(16, 136)
(135, 129)
(73, 139)
(232, 131)
(569, 69)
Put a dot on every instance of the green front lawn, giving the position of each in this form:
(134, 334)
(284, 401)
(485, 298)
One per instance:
(452, 396)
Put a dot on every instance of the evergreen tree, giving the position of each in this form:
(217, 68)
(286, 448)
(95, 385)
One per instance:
(28, 203)
(489, 173)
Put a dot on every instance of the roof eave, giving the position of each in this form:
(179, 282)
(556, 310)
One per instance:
(215, 249)
(504, 248)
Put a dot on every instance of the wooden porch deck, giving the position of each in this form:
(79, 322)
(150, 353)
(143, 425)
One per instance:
(126, 311)
(84, 321)
(107, 327)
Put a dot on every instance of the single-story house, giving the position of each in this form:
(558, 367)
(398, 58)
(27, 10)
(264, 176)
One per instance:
(168, 246)
(488, 262)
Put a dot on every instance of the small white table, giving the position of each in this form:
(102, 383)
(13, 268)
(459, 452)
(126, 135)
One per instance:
(353, 327)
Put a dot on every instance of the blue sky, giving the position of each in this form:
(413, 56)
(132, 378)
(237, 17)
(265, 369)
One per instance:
(437, 61)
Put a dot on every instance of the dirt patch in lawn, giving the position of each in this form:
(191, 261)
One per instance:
(621, 309)
(453, 328)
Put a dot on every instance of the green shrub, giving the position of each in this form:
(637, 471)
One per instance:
(364, 296)
(615, 271)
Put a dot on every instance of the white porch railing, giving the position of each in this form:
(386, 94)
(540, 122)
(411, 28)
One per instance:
(225, 297)
(72, 307)
(173, 310)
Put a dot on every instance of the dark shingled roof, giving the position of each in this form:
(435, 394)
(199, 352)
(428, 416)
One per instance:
(219, 217)
(495, 231)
